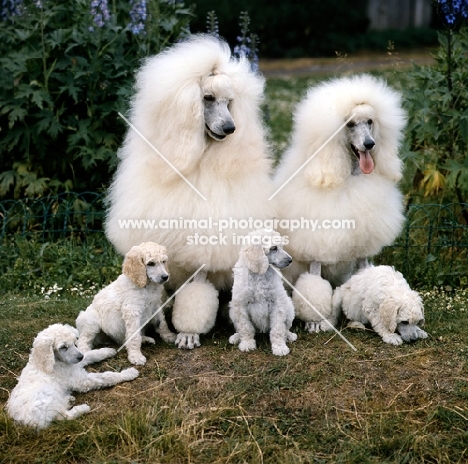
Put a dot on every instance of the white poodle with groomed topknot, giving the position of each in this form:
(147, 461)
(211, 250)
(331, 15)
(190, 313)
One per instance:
(56, 368)
(200, 108)
(341, 171)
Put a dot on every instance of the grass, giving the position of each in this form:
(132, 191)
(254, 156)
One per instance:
(322, 403)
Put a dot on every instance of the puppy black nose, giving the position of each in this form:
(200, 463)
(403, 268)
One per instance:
(229, 128)
(369, 144)
(80, 357)
(164, 277)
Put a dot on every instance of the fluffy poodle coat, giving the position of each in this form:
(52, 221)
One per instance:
(201, 109)
(121, 309)
(381, 297)
(55, 369)
(349, 177)
(259, 300)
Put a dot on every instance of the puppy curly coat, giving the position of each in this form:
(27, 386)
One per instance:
(55, 369)
(259, 300)
(121, 309)
(381, 297)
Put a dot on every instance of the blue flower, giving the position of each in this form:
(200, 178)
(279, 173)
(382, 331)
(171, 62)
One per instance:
(11, 8)
(453, 12)
(99, 12)
(137, 16)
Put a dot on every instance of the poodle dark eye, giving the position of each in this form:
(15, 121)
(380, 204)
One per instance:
(404, 322)
(350, 124)
(209, 98)
(151, 263)
(370, 122)
(62, 347)
(164, 262)
(273, 248)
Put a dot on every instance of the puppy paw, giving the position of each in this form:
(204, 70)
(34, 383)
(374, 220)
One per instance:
(356, 325)
(291, 337)
(392, 339)
(234, 339)
(421, 333)
(312, 327)
(280, 350)
(137, 359)
(129, 374)
(150, 340)
(108, 352)
(77, 411)
(187, 341)
(169, 337)
(326, 326)
(247, 345)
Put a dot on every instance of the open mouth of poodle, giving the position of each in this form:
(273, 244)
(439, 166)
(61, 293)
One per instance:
(366, 162)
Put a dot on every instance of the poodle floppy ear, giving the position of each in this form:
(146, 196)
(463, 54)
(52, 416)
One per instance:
(388, 311)
(134, 267)
(255, 258)
(42, 354)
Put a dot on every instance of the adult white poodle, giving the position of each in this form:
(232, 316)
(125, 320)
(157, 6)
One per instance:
(55, 369)
(341, 172)
(200, 109)
(259, 300)
(122, 309)
(381, 297)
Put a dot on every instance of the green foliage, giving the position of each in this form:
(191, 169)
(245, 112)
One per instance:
(437, 102)
(62, 82)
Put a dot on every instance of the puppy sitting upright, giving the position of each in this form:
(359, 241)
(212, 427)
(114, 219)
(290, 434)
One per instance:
(121, 309)
(259, 301)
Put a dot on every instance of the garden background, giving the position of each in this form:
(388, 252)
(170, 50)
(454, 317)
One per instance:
(66, 71)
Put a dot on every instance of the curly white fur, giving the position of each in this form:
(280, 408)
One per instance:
(381, 297)
(122, 308)
(171, 109)
(55, 369)
(259, 300)
(335, 184)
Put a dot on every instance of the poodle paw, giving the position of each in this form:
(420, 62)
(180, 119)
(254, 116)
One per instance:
(150, 340)
(326, 326)
(234, 339)
(168, 337)
(356, 325)
(137, 359)
(280, 350)
(421, 333)
(77, 411)
(312, 327)
(291, 337)
(393, 339)
(107, 352)
(247, 345)
(187, 341)
(129, 374)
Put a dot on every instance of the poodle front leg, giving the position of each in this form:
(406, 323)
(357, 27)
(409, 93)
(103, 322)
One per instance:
(133, 340)
(99, 355)
(245, 330)
(194, 313)
(161, 327)
(95, 381)
(279, 333)
(75, 412)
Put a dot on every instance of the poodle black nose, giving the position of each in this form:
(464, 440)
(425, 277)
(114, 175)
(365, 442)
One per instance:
(164, 277)
(229, 128)
(80, 357)
(369, 144)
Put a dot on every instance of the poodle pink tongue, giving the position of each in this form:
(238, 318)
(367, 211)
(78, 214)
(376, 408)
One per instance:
(366, 163)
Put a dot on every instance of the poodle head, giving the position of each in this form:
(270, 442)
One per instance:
(218, 94)
(264, 248)
(360, 138)
(401, 313)
(55, 344)
(146, 262)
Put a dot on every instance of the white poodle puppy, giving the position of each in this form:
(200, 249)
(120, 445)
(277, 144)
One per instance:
(381, 297)
(341, 172)
(122, 309)
(200, 108)
(55, 369)
(259, 300)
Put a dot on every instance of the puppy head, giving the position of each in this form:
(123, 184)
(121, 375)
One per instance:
(144, 262)
(265, 248)
(404, 310)
(360, 138)
(217, 94)
(55, 344)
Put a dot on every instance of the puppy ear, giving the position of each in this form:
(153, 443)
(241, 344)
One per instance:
(388, 311)
(134, 267)
(256, 260)
(42, 354)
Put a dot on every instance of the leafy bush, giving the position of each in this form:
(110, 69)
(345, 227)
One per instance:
(65, 73)
(437, 102)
